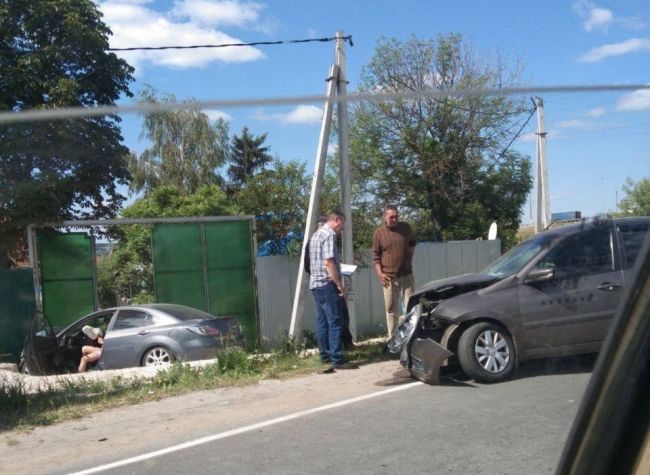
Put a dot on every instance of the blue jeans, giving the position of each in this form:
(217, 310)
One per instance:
(329, 323)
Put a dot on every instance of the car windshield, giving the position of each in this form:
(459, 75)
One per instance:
(516, 258)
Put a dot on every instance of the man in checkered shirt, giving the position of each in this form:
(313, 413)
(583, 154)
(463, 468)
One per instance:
(326, 285)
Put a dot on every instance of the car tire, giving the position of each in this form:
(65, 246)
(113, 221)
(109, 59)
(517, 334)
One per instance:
(486, 353)
(157, 356)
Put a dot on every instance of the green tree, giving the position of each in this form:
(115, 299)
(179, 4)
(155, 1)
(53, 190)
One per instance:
(186, 148)
(247, 156)
(279, 197)
(440, 158)
(637, 198)
(53, 54)
(365, 214)
(128, 271)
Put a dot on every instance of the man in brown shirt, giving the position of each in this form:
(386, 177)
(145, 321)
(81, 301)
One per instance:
(393, 245)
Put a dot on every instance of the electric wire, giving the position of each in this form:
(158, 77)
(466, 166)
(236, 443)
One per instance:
(500, 156)
(76, 112)
(347, 38)
(636, 15)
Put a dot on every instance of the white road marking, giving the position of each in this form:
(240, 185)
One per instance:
(241, 430)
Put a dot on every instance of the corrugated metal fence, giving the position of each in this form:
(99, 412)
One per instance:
(276, 281)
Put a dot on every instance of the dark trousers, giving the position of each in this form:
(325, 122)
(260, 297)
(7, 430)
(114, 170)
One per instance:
(329, 323)
(346, 335)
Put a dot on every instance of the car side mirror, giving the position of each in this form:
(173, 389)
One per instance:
(539, 275)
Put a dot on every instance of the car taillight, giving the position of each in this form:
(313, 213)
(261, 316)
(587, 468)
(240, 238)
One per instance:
(204, 330)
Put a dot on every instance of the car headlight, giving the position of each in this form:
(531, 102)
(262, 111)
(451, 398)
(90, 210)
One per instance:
(404, 332)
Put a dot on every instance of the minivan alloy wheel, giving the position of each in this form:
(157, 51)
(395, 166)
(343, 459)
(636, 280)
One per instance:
(486, 352)
(492, 351)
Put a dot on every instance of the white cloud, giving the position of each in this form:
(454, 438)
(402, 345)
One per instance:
(532, 136)
(302, 114)
(594, 18)
(576, 124)
(529, 137)
(633, 23)
(599, 18)
(634, 101)
(210, 12)
(616, 49)
(135, 2)
(556, 195)
(597, 112)
(214, 114)
(563, 129)
(305, 115)
(135, 25)
(332, 148)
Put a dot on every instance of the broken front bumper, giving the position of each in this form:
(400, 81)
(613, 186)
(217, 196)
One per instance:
(423, 357)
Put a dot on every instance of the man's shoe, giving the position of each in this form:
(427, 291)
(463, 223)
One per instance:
(327, 370)
(346, 365)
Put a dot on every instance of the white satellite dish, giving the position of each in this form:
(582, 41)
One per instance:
(492, 233)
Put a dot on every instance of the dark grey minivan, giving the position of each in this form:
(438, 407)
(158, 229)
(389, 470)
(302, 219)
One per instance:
(552, 295)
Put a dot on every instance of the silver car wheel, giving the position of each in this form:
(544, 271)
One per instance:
(492, 351)
(157, 356)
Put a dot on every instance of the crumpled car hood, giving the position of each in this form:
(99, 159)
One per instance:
(451, 286)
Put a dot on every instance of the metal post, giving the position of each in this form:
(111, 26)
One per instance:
(204, 262)
(344, 171)
(314, 201)
(543, 218)
(93, 250)
(34, 264)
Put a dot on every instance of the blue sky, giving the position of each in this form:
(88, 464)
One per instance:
(595, 140)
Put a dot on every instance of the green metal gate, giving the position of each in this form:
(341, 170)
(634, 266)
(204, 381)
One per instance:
(67, 275)
(17, 306)
(209, 266)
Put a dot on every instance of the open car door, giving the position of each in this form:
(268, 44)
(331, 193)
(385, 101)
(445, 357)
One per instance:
(40, 353)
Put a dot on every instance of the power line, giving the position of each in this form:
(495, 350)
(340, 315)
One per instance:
(227, 45)
(640, 17)
(75, 112)
(532, 112)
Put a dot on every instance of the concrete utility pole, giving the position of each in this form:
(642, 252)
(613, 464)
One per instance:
(344, 172)
(337, 83)
(543, 214)
(314, 200)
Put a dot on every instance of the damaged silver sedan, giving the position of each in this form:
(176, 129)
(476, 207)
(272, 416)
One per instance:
(552, 295)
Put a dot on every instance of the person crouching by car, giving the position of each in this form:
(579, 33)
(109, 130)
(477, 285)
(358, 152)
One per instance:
(91, 353)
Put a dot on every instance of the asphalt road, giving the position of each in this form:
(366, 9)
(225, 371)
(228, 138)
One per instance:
(370, 420)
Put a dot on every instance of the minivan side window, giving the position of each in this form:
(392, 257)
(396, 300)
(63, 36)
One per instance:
(586, 253)
(633, 235)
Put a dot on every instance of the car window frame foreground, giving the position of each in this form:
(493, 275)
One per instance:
(610, 433)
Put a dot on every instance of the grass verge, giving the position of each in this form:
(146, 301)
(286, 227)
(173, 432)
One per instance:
(20, 409)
